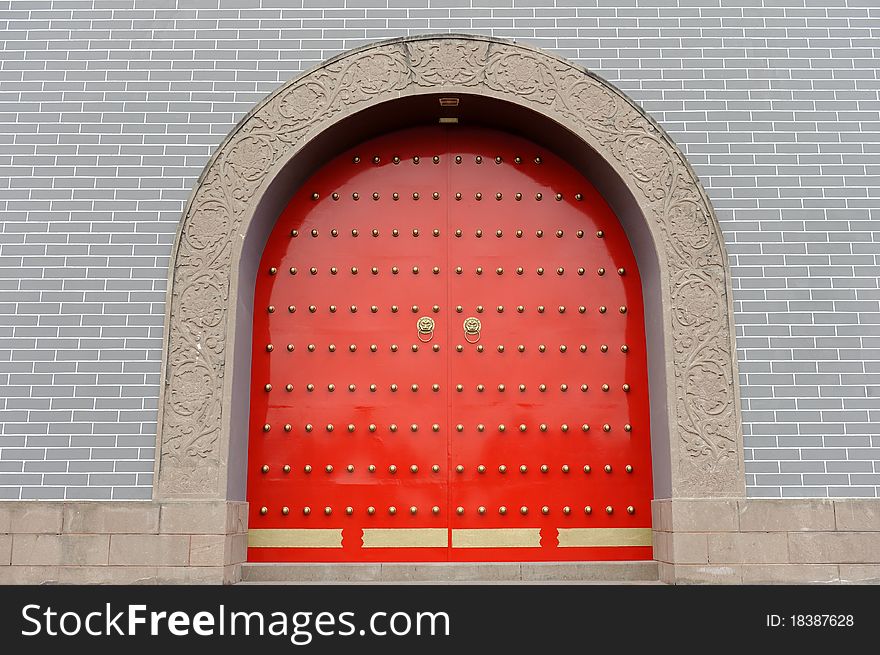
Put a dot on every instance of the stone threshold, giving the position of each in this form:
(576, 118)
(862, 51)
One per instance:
(453, 572)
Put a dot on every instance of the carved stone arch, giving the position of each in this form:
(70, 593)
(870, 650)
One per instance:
(697, 407)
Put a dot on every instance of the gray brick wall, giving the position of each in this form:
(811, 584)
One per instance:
(110, 108)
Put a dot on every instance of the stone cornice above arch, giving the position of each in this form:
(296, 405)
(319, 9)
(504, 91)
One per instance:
(706, 442)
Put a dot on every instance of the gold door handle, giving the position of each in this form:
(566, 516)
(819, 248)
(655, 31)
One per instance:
(425, 327)
(472, 327)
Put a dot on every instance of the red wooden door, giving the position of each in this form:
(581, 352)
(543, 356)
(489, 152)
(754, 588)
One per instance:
(449, 362)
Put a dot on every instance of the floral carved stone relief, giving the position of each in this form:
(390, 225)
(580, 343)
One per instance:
(707, 449)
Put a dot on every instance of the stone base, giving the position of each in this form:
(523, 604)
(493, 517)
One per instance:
(155, 542)
(718, 541)
(454, 572)
(764, 541)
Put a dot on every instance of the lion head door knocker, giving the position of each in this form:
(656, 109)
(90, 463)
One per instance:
(472, 327)
(425, 326)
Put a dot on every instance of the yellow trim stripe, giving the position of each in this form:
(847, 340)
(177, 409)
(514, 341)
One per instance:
(497, 538)
(406, 538)
(461, 538)
(295, 538)
(592, 537)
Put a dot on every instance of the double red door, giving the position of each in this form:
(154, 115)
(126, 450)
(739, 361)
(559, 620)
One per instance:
(449, 362)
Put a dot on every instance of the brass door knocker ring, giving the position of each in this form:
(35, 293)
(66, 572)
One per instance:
(425, 326)
(472, 327)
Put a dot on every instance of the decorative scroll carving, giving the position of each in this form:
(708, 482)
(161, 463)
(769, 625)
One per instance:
(705, 431)
(439, 62)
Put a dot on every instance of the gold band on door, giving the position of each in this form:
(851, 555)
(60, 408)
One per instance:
(295, 538)
(406, 538)
(497, 538)
(597, 537)
(461, 538)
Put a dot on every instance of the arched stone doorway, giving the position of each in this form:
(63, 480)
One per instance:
(697, 443)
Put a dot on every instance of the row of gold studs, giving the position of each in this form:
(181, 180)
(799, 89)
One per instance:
(436, 348)
(436, 159)
(565, 468)
(393, 427)
(436, 196)
(459, 270)
(436, 387)
(520, 309)
(481, 509)
(436, 232)
(560, 270)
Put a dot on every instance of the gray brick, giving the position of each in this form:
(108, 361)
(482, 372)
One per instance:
(802, 467)
(88, 493)
(18, 479)
(804, 492)
(132, 493)
(850, 491)
(838, 479)
(42, 493)
(763, 492)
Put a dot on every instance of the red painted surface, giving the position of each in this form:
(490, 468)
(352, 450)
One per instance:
(447, 367)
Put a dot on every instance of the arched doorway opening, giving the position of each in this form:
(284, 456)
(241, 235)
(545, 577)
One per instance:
(449, 361)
